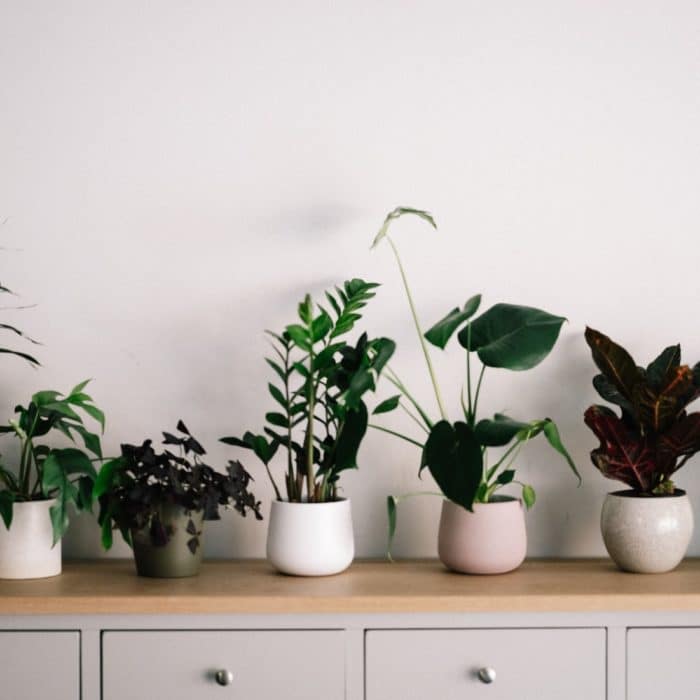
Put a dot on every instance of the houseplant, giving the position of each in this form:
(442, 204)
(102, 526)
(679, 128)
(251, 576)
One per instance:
(481, 531)
(646, 528)
(158, 501)
(320, 381)
(36, 497)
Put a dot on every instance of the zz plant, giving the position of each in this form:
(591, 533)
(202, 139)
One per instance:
(133, 489)
(654, 435)
(46, 472)
(506, 336)
(320, 381)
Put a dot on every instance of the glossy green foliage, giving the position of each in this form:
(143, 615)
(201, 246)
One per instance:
(512, 337)
(654, 435)
(318, 388)
(65, 474)
(505, 336)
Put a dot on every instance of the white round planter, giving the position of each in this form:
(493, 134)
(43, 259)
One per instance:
(310, 539)
(26, 549)
(646, 534)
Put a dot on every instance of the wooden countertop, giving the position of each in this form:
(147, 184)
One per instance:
(111, 587)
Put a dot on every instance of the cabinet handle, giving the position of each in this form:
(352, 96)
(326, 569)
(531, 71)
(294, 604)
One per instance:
(224, 677)
(486, 674)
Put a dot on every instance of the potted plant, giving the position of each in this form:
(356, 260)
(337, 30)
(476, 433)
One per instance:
(481, 531)
(646, 528)
(320, 381)
(36, 497)
(158, 501)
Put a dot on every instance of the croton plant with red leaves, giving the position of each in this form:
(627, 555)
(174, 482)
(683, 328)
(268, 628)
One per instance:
(655, 435)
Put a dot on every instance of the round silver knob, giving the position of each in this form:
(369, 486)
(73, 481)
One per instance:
(224, 677)
(486, 675)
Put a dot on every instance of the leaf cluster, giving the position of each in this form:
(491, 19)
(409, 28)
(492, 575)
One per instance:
(45, 472)
(133, 488)
(17, 332)
(654, 435)
(320, 380)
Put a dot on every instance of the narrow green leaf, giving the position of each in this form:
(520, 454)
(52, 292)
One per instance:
(79, 387)
(277, 395)
(277, 419)
(299, 336)
(551, 432)
(391, 516)
(387, 405)
(278, 370)
(7, 499)
(529, 496)
(397, 213)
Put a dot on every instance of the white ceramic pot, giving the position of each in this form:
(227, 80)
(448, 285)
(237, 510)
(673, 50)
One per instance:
(646, 534)
(490, 540)
(310, 539)
(26, 549)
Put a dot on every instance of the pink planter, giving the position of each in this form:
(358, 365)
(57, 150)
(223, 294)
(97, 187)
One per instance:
(491, 540)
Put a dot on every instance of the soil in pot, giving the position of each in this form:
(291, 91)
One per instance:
(646, 534)
(182, 554)
(490, 540)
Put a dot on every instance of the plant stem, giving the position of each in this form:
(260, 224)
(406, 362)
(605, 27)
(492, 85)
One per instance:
(476, 396)
(428, 361)
(395, 434)
(311, 400)
(394, 379)
(414, 417)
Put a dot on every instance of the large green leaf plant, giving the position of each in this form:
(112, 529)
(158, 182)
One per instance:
(45, 472)
(506, 336)
(320, 379)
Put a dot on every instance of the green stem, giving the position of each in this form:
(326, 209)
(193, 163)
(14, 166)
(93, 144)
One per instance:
(470, 409)
(476, 396)
(394, 379)
(428, 361)
(395, 434)
(311, 400)
(414, 417)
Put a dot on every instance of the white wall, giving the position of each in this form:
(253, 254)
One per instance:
(175, 175)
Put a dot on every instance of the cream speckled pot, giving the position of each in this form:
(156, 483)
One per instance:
(26, 549)
(310, 539)
(491, 540)
(646, 534)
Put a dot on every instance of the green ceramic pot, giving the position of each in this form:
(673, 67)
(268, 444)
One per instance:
(175, 559)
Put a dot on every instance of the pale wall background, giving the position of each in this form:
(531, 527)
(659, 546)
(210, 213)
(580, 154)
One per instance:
(175, 175)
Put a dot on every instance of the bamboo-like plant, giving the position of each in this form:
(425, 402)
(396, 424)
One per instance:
(321, 417)
(505, 336)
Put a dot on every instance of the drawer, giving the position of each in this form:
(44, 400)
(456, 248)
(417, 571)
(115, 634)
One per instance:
(663, 663)
(529, 664)
(179, 665)
(39, 665)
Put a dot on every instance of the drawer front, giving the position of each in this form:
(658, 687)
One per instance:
(529, 664)
(296, 665)
(663, 663)
(39, 665)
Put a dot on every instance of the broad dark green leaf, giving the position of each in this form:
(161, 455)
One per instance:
(7, 499)
(442, 331)
(453, 455)
(387, 405)
(499, 431)
(107, 476)
(384, 348)
(512, 337)
(350, 437)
